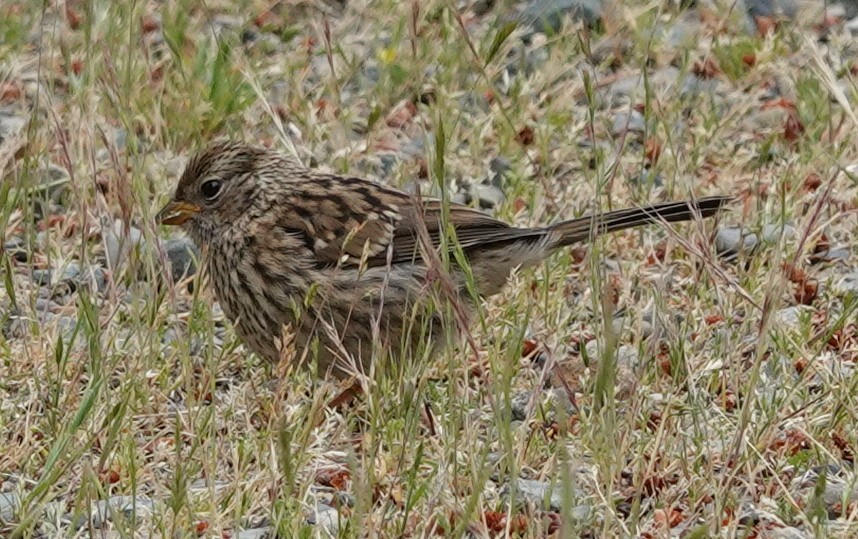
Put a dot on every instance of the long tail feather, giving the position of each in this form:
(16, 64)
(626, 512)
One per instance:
(585, 228)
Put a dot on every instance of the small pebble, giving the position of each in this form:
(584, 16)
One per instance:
(182, 254)
(16, 247)
(547, 15)
(631, 122)
(9, 504)
(326, 518)
(498, 167)
(846, 285)
(647, 178)
(537, 493)
(773, 233)
(43, 277)
(790, 318)
(104, 511)
(489, 196)
(518, 405)
(731, 241)
(118, 244)
(256, 533)
(11, 126)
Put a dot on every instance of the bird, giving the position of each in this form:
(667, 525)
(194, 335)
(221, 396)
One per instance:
(340, 265)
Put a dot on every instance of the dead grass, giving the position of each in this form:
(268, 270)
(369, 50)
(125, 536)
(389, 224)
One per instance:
(697, 412)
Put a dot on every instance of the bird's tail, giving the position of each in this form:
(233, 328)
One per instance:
(585, 228)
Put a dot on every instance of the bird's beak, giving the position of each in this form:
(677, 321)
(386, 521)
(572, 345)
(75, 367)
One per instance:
(176, 213)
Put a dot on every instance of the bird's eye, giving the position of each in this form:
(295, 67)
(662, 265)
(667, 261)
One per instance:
(211, 189)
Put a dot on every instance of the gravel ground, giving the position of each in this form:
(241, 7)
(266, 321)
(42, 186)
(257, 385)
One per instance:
(690, 382)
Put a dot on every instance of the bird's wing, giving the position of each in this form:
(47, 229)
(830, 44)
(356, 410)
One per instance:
(351, 221)
(472, 228)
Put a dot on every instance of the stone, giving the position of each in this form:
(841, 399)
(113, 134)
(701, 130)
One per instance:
(695, 87)
(773, 233)
(104, 511)
(731, 241)
(11, 125)
(647, 178)
(489, 196)
(182, 255)
(10, 502)
(790, 318)
(256, 533)
(43, 277)
(770, 8)
(633, 88)
(547, 16)
(74, 276)
(627, 355)
(537, 493)
(326, 518)
(16, 247)
(628, 122)
(498, 167)
(846, 285)
(118, 242)
(518, 405)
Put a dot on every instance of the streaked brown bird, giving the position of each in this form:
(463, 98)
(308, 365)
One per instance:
(342, 260)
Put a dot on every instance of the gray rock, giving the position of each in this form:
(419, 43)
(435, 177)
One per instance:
(55, 510)
(120, 138)
(627, 355)
(846, 285)
(43, 277)
(98, 277)
(11, 125)
(74, 276)
(16, 247)
(541, 494)
(518, 405)
(203, 485)
(182, 255)
(695, 87)
(45, 305)
(489, 196)
(460, 198)
(771, 8)
(547, 15)
(343, 499)
(9, 505)
(684, 32)
(838, 254)
(416, 146)
(118, 242)
(773, 233)
(851, 25)
(71, 273)
(647, 178)
(789, 318)
(732, 241)
(788, 532)
(51, 182)
(838, 496)
(256, 533)
(631, 122)
(633, 87)
(326, 518)
(104, 511)
(499, 166)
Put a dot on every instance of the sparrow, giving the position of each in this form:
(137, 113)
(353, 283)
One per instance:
(340, 265)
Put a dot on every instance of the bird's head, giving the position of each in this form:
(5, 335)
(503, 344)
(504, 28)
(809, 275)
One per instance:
(218, 186)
